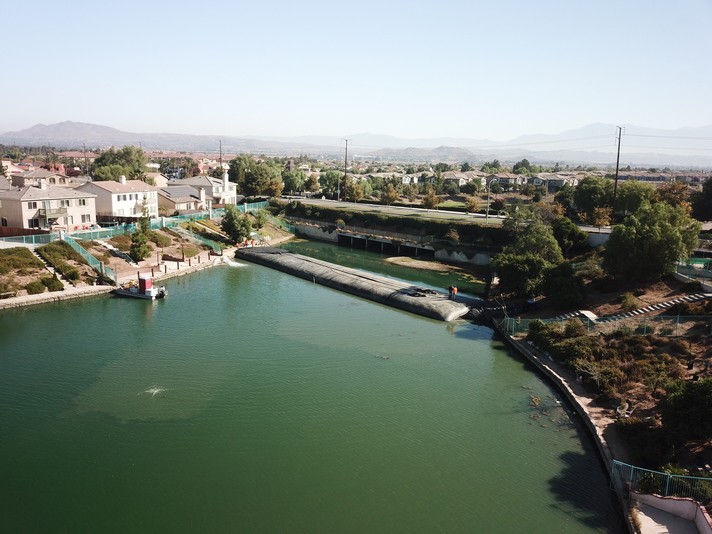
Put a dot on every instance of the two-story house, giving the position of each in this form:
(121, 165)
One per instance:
(123, 200)
(47, 207)
(217, 191)
(182, 198)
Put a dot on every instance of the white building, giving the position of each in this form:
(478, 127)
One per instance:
(47, 207)
(125, 198)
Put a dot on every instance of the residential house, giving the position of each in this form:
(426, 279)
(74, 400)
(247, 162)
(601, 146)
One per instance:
(507, 179)
(10, 168)
(182, 198)
(123, 200)
(48, 207)
(159, 179)
(217, 191)
(36, 176)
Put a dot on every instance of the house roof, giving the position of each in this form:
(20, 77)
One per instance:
(179, 193)
(130, 186)
(204, 181)
(4, 183)
(40, 173)
(33, 192)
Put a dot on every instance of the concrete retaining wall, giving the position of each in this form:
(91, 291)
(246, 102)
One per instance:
(684, 508)
(459, 257)
(316, 232)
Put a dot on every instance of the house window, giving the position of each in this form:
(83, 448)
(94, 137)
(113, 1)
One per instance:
(32, 206)
(4, 221)
(70, 220)
(82, 201)
(52, 180)
(124, 197)
(64, 203)
(118, 198)
(86, 218)
(33, 223)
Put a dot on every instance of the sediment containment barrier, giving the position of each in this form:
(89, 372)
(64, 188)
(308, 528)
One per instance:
(387, 291)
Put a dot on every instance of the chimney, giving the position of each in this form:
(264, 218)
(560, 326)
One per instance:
(202, 196)
(122, 179)
(43, 184)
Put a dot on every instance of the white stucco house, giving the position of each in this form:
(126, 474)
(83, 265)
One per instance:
(47, 207)
(125, 198)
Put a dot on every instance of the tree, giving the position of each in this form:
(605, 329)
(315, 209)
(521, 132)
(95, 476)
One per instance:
(565, 196)
(600, 217)
(519, 273)
(702, 202)
(472, 204)
(650, 242)
(675, 194)
(561, 286)
(466, 167)
(593, 192)
(521, 167)
(631, 194)
(569, 236)
(312, 184)
(140, 249)
(131, 158)
(354, 191)
(330, 181)
(389, 195)
(521, 265)
(431, 200)
(687, 414)
(274, 188)
(441, 167)
(237, 227)
(294, 180)
(109, 172)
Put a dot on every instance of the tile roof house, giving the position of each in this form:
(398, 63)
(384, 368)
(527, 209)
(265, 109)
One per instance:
(47, 207)
(182, 198)
(125, 198)
(217, 191)
(35, 176)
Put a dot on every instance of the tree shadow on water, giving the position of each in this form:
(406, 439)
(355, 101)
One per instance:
(583, 492)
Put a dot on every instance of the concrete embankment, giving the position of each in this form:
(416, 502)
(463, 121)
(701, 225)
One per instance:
(381, 289)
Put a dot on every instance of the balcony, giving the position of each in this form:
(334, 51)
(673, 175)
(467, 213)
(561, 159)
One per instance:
(53, 213)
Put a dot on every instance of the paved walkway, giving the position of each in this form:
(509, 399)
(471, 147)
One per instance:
(654, 521)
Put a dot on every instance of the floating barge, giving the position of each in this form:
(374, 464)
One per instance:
(387, 291)
(144, 289)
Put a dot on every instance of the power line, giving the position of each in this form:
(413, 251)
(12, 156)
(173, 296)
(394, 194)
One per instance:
(671, 137)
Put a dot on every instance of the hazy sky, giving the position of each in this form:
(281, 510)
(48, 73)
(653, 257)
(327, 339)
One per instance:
(414, 69)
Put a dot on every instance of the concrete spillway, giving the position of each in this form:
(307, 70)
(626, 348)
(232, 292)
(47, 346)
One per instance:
(380, 289)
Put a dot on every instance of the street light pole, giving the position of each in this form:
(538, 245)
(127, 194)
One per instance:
(489, 185)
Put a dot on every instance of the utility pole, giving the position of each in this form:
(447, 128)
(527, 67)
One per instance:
(346, 159)
(618, 160)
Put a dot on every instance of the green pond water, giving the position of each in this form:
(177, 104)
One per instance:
(253, 401)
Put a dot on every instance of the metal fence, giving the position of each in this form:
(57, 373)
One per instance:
(98, 266)
(697, 268)
(670, 325)
(625, 477)
(30, 241)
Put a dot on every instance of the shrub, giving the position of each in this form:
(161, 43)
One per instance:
(159, 239)
(629, 302)
(35, 288)
(52, 283)
(692, 286)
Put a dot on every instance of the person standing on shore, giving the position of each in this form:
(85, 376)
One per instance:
(454, 292)
(449, 292)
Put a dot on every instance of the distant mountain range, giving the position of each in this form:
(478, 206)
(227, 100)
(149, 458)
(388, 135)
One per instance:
(594, 144)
